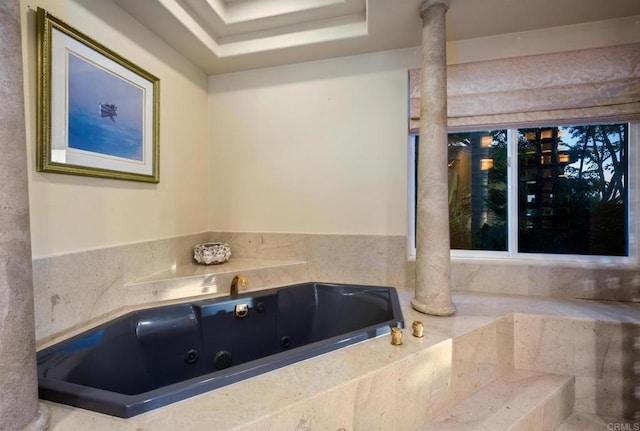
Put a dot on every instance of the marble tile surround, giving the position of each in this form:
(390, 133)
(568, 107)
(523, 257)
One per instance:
(73, 289)
(383, 260)
(544, 279)
(600, 354)
(517, 401)
(373, 385)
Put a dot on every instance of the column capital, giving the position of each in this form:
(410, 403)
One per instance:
(426, 4)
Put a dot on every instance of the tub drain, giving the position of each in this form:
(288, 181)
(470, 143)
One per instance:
(222, 360)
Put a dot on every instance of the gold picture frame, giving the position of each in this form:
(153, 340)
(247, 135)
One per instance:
(98, 113)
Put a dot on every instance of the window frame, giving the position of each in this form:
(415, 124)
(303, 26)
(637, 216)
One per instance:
(512, 254)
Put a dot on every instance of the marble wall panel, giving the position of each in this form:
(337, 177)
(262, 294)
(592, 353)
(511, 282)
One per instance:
(488, 277)
(546, 279)
(72, 289)
(68, 288)
(585, 282)
(543, 343)
(549, 415)
(599, 353)
(605, 363)
(364, 259)
(402, 396)
(505, 341)
(554, 412)
(475, 361)
(248, 245)
(146, 258)
(334, 412)
(532, 422)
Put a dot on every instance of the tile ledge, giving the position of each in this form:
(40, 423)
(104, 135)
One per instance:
(195, 270)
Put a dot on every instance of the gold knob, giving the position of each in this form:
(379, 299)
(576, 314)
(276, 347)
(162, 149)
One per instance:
(396, 336)
(418, 329)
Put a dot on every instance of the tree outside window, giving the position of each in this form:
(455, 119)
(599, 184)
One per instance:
(571, 182)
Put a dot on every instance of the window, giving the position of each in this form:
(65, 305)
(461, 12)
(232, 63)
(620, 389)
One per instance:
(478, 190)
(535, 192)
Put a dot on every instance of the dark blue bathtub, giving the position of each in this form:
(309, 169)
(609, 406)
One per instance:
(150, 358)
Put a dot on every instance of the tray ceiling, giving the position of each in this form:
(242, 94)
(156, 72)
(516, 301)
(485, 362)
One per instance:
(221, 36)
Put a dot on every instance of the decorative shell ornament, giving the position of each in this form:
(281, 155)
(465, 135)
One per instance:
(212, 253)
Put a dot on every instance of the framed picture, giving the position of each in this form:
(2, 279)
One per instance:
(97, 112)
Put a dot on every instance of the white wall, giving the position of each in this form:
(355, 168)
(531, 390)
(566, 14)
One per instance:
(321, 147)
(70, 214)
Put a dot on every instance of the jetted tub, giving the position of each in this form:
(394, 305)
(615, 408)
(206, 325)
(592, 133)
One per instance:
(150, 358)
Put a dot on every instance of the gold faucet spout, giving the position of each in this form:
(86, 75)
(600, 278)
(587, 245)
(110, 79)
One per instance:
(234, 283)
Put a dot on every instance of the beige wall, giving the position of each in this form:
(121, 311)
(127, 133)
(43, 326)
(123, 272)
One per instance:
(70, 214)
(321, 147)
(315, 147)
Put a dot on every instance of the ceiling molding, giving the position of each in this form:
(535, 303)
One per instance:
(221, 36)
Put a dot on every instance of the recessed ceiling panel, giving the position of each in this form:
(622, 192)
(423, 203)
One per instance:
(222, 36)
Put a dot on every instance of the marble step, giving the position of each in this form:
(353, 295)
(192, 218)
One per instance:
(589, 422)
(518, 401)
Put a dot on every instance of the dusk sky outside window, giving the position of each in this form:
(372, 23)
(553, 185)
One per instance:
(571, 186)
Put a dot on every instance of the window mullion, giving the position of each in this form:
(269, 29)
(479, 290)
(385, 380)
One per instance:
(512, 188)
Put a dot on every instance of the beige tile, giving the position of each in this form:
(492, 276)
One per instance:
(589, 422)
(475, 360)
(559, 407)
(496, 278)
(598, 348)
(364, 259)
(543, 343)
(583, 282)
(332, 411)
(73, 288)
(503, 405)
(505, 346)
(397, 398)
(283, 246)
(607, 396)
(532, 422)
(244, 245)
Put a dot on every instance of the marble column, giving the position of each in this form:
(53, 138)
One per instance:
(433, 262)
(19, 407)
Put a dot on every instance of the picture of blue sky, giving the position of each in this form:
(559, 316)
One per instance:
(88, 87)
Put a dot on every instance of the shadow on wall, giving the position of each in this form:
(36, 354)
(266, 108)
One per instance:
(631, 372)
(126, 26)
(611, 381)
